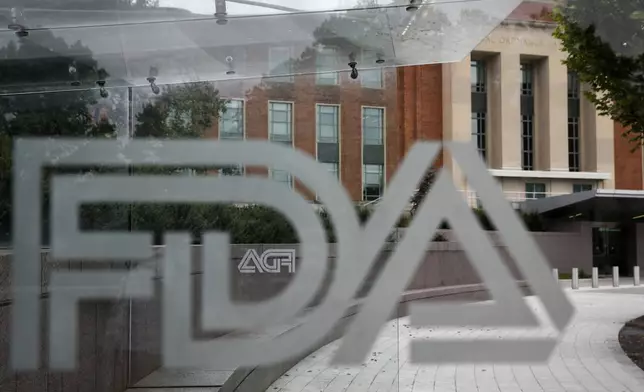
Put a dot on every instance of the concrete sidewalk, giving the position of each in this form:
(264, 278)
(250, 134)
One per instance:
(588, 358)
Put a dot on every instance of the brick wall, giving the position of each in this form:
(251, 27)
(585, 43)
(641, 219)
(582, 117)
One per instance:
(628, 163)
(411, 96)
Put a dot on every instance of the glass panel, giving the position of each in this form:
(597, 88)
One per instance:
(183, 41)
(372, 126)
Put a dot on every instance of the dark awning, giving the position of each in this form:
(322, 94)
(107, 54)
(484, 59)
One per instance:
(598, 205)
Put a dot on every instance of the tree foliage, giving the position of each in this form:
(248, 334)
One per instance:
(604, 43)
(182, 111)
(423, 189)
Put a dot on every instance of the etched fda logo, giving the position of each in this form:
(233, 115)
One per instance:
(270, 261)
(357, 250)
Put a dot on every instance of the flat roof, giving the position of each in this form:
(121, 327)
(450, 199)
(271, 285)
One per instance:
(601, 205)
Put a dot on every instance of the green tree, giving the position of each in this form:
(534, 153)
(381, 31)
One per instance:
(423, 189)
(604, 43)
(32, 104)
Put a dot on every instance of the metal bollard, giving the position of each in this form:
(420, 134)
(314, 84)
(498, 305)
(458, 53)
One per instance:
(555, 273)
(595, 277)
(615, 276)
(575, 278)
(636, 276)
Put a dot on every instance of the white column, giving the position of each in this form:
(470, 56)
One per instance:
(555, 273)
(615, 276)
(457, 109)
(551, 115)
(504, 109)
(636, 275)
(575, 278)
(595, 277)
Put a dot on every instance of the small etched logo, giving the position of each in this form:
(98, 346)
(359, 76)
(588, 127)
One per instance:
(270, 261)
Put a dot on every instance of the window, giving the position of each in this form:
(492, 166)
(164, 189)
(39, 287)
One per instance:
(576, 188)
(526, 79)
(231, 123)
(527, 142)
(573, 144)
(478, 75)
(281, 63)
(535, 190)
(333, 168)
(328, 123)
(282, 176)
(372, 182)
(370, 78)
(373, 125)
(236, 170)
(573, 86)
(478, 132)
(280, 117)
(325, 61)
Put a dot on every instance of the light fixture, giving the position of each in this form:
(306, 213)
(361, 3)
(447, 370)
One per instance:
(152, 80)
(380, 60)
(231, 68)
(16, 23)
(413, 6)
(102, 75)
(220, 12)
(353, 64)
(73, 72)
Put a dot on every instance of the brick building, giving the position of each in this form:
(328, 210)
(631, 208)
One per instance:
(511, 96)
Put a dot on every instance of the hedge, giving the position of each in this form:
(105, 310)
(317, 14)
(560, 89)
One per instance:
(258, 224)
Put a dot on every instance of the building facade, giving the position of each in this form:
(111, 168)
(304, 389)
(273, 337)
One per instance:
(512, 97)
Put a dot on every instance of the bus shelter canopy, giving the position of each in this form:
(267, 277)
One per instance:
(127, 41)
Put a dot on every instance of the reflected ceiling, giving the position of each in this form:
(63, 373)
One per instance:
(193, 40)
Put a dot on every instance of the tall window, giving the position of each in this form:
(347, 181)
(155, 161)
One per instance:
(373, 126)
(574, 142)
(576, 188)
(372, 182)
(280, 117)
(527, 117)
(328, 123)
(283, 177)
(478, 132)
(326, 61)
(231, 123)
(527, 142)
(370, 78)
(573, 85)
(281, 63)
(535, 190)
(478, 76)
(527, 79)
(479, 105)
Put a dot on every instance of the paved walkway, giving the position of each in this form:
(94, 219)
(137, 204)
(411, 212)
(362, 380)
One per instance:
(588, 358)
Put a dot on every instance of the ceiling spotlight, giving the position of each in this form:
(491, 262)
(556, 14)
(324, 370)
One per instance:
(221, 12)
(152, 80)
(231, 69)
(101, 84)
(103, 92)
(20, 30)
(413, 5)
(380, 60)
(353, 64)
(73, 72)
